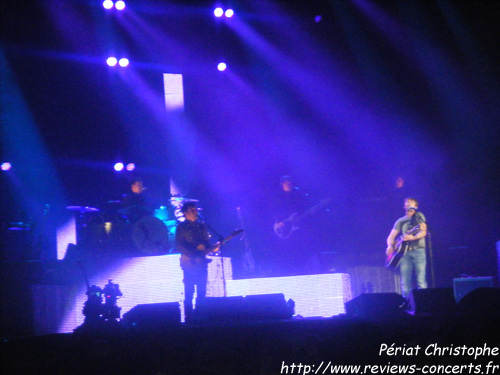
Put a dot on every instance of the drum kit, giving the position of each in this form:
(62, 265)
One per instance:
(129, 231)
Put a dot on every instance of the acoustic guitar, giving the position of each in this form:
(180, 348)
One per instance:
(400, 249)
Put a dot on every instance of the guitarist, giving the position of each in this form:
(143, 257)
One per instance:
(415, 257)
(192, 241)
(288, 257)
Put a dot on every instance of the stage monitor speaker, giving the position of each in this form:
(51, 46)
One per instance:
(375, 305)
(463, 286)
(433, 301)
(239, 308)
(153, 316)
(268, 307)
(482, 300)
(219, 309)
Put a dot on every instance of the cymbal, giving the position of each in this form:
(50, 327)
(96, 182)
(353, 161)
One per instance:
(182, 199)
(82, 208)
(18, 225)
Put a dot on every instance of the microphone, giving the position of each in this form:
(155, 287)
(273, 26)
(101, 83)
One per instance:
(413, 208)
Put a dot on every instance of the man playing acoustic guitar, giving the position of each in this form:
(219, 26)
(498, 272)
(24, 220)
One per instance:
(413, 230)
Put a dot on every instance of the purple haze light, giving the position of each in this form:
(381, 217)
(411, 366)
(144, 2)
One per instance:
(6, 166)
(317, 19)
(112, 61)
(229, 13)
(120, 5)
(222, 66)
(107, 4)
(218, 12)
(118, 167)
(130, 167)
(123, 62)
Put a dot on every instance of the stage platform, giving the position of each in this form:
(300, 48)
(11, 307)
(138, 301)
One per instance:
(272, 347)
(57, 301)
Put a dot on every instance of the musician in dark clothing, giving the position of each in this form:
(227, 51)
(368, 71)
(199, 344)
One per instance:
(290, 248)
(288, 201)
(192, 241)
(134, 202)
(415, 257)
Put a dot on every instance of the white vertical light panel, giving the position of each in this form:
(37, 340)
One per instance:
(174, 92)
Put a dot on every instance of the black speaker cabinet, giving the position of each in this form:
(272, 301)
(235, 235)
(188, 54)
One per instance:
(153, 316)
(374, 305)
(239, 308)
(482, 300)
(463, 286)
(433, 301)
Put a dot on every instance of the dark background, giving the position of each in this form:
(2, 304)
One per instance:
(375, 90)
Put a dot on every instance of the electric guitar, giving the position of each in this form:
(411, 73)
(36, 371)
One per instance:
(291, 223)
(199, 257)
(400, 249)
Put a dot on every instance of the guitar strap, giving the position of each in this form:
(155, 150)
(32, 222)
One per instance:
(414, 221)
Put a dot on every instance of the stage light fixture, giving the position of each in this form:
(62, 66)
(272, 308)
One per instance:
(229, 13)
(123, 62)
(118, 167)
(112, 61)
(222, 66)
(130, 167)
(120, 5)
(107, 4)
(218, 12)
(5, 166)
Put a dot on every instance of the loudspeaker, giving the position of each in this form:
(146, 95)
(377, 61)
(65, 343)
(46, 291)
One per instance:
(375, 305)
(153, 316)
(220, 309)
(462, 286)
(238, 308)
(268, 307)
(485, 301)
(432, 301)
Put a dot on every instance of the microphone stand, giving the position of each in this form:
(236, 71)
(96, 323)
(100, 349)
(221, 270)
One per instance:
(431, 258)
(221, 240)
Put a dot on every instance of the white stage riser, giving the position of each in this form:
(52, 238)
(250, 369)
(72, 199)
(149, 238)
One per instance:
(146, 280)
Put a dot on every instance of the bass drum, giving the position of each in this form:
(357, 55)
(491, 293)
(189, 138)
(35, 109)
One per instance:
(150, 236)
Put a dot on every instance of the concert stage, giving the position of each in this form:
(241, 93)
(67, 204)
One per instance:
(324, 330)
(260, 347)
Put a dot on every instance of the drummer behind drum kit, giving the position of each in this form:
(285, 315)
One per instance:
(129, 231)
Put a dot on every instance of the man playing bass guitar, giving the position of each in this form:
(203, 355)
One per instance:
(414, 244)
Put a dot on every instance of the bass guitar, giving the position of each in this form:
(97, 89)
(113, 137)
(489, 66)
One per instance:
(286, 227)
(400, 249)
(199, 257)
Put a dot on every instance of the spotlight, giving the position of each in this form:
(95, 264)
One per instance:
(112, 61)
(130, 167)
(123, 62)
(222, 66)
(5, 166)
(120, 5)
(118, 167)
(218, 12)
(229, 13)
(318, 19)
(107, 4)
